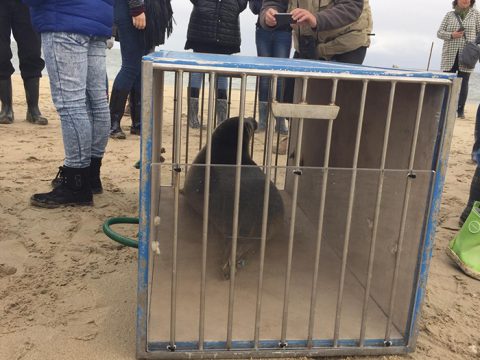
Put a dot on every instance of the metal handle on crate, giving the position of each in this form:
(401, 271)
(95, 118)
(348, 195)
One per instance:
(305, 111)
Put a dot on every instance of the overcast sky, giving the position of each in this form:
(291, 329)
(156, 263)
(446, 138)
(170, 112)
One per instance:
(404, 32)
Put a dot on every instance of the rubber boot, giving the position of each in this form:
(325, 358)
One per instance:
(34, 115)
(192, 113)
(221, 107)
(95, 181)
(117, 107)
(6, 114)
(281, 126)
(464, 249)
(262, 115)
(75, 190)
(135, 113)
(474, 195)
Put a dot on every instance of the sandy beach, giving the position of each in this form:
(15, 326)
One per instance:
(69, 292)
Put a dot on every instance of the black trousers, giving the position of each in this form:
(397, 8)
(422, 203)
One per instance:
(465, 76)
(15, 18)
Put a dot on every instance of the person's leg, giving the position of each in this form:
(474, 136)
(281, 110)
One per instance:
(473, 196)
(132, 48)
(98, 103)
(31, 63)
(282, 45)
(462, 99)
(356, 56)
(136, 107)
(66, 58)
(264, 42)
(221, 103)
(476, 143)
(194, 84)
(6, 67)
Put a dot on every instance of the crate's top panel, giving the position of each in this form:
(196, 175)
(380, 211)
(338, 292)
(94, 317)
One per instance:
(237, 62)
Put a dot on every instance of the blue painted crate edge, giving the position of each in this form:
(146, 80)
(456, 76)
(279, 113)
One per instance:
(279, 64)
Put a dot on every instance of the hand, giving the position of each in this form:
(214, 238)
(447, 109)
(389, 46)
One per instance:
(303, 16)
(270, 19)
(457, 34)
(139, 21)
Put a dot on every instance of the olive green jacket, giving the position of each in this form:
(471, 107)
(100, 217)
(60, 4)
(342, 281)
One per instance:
(342, 25)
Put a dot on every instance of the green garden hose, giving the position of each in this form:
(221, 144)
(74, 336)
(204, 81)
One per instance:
(116, 236)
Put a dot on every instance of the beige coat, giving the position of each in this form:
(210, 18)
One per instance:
(336, 41)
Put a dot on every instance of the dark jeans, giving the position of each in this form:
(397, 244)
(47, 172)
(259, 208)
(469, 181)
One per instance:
(132, 48)
(15, 17)
(352, 57)
(465, 76)
(272, 43)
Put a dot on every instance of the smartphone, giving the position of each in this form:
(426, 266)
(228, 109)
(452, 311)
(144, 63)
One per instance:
(284, 19)
(461, 29)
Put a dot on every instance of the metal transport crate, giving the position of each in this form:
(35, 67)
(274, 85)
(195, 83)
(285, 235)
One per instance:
(324, 250)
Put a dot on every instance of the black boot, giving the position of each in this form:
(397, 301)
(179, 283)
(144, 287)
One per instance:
(474, 195)
(34, 115)
(95, 182)
(6, 115)
(135, 112)
(74, 190)
(118, 100)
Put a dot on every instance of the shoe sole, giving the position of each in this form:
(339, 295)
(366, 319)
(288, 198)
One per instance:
(54, 206)
(118, 136)
(453, 256)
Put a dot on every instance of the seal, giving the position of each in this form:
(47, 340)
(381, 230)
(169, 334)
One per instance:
(222, 192)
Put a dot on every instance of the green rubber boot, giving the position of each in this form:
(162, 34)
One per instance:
(464, 249)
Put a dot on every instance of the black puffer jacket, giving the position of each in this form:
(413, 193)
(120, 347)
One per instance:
(214, 26)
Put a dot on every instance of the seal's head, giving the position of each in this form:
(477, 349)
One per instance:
(225, 137)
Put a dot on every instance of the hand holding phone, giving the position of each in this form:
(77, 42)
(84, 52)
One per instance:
(284, 19)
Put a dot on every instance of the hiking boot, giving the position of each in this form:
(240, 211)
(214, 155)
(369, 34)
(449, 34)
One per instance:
(95, 181)
(74, 190)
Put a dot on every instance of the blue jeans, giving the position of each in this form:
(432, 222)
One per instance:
(77, 71)
(196, 80)
(132, 48)
(272, 44)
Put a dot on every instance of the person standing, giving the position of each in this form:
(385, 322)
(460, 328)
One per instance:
(457, 28)
(333, 30)
(275, 42)
(214, 28)
(15, 18)
(74, 34)
(140, 27)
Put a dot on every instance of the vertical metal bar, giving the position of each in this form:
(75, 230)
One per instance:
(266, 200)
(201, 113)
(236, 205)
(229, 101)
(255, 102)
(404, 213)
(206, 201)
(187, 137)
(176, 174)
(349, 215)
(156, 138)
(144, 211)
(298, 151)
(321, 214)
(381, 177)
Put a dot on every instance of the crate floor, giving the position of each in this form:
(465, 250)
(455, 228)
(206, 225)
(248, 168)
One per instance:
(187, 307)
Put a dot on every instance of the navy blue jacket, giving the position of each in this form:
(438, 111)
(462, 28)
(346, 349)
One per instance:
(86, 17)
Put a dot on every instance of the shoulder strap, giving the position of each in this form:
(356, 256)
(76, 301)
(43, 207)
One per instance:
(460, 23)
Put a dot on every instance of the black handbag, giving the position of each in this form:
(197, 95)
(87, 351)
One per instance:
(470, 54)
